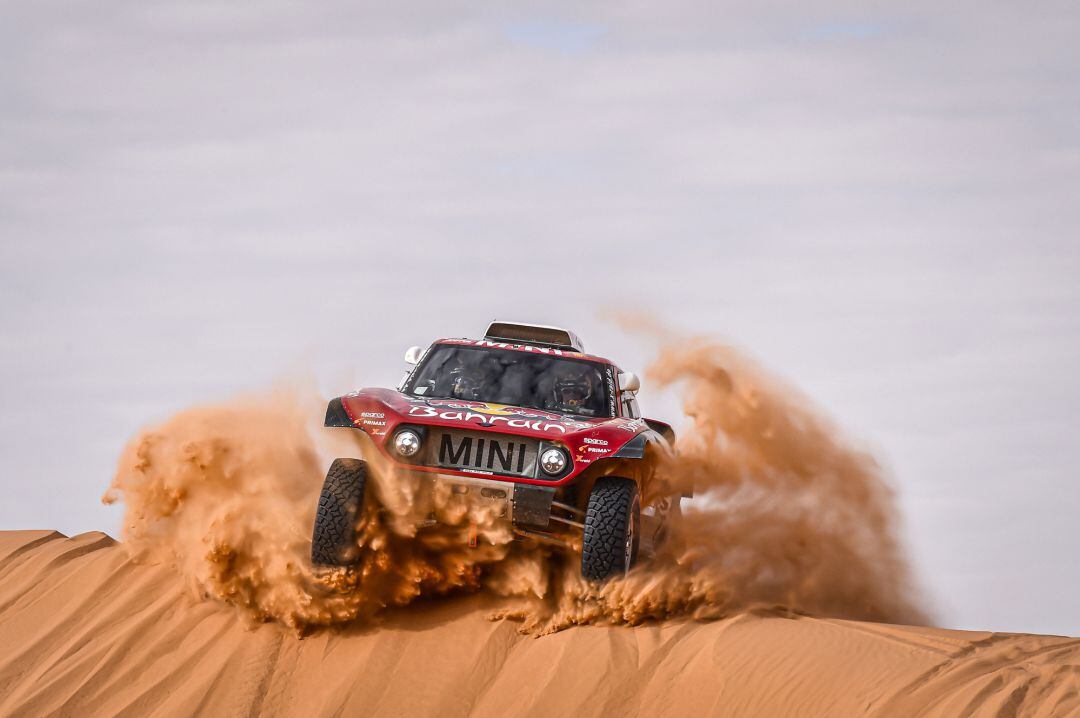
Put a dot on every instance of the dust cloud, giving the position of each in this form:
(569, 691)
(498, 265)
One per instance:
(786, 515)
(227, 494)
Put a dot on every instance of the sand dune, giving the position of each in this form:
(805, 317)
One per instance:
(86, 632)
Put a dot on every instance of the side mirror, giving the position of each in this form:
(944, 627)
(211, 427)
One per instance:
(629, 381)
(413, 354)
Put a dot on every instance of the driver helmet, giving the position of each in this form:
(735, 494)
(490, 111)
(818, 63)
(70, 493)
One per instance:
(573, 389)
(465, 382)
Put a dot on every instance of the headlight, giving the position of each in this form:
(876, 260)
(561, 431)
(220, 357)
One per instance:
(553, 461)
(407, 442)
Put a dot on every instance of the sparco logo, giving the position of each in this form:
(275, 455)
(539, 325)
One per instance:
(597, 442)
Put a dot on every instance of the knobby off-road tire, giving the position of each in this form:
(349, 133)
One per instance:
(333, 540)
(612, 529)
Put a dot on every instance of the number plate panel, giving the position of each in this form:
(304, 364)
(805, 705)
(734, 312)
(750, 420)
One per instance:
(497, 454)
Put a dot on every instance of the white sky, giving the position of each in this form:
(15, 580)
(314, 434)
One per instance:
(879, 203)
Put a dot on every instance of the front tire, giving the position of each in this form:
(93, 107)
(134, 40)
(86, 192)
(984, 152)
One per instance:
(612, 529)
(333, 540)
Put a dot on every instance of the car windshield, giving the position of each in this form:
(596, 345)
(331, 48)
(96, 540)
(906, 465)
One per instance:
(505, 376)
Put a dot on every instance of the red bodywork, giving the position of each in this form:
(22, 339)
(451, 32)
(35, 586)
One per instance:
(378, 412)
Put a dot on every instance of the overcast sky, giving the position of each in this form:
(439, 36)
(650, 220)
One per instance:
(881, 204)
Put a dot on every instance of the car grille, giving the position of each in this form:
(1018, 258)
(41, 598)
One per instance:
(483, 452)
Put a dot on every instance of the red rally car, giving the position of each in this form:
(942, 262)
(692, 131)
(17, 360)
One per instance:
(522, 418)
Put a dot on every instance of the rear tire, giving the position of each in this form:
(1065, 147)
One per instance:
(612, 529)
(669, 522)
(333, 540)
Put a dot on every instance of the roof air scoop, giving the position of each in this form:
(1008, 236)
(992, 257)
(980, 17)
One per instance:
(535, 334)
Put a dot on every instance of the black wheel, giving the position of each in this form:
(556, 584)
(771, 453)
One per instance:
(612, 528)
(333, 540)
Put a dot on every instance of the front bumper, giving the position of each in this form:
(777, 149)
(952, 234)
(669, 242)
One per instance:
(524, 505)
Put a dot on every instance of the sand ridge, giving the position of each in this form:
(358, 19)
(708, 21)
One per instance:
(87, 632)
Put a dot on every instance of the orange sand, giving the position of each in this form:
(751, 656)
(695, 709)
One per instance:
(83, 631)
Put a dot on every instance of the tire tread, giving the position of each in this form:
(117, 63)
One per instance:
(340, 503)
(606, 522)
